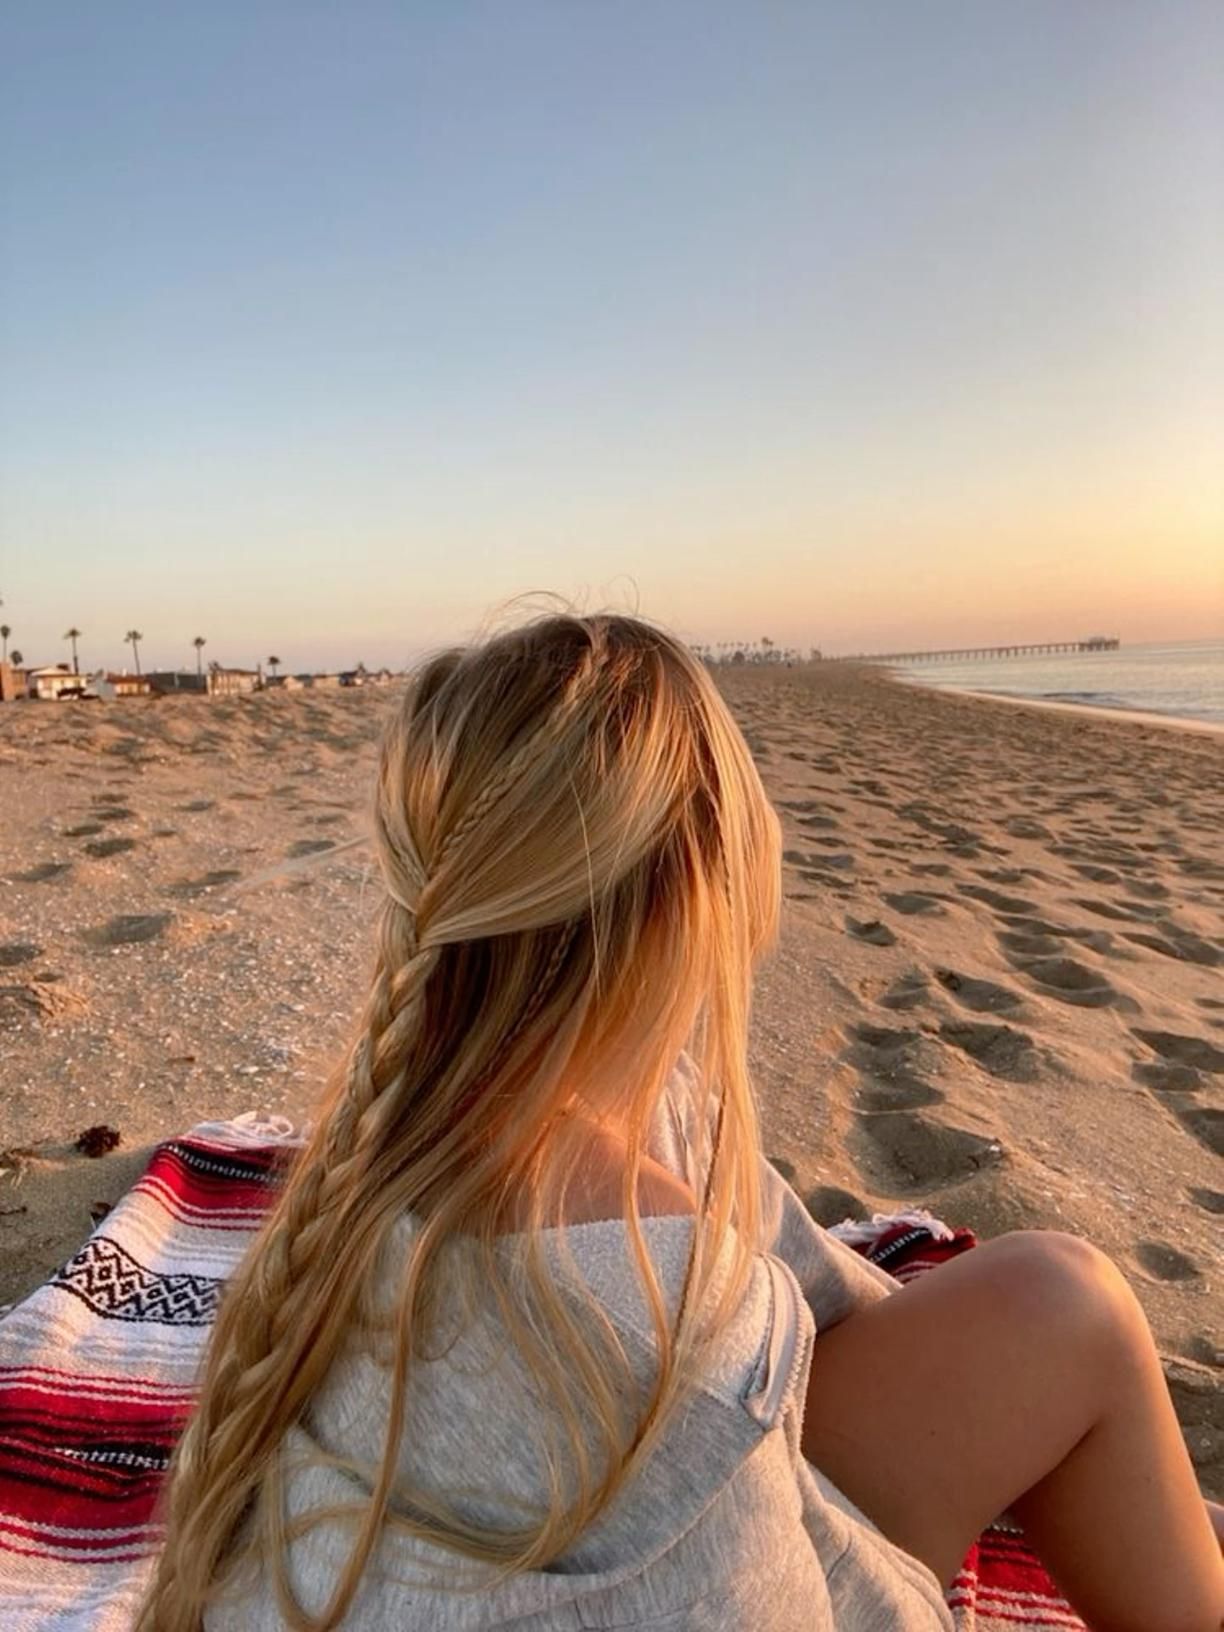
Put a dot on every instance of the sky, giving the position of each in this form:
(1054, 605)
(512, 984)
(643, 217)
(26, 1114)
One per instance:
(326, 330)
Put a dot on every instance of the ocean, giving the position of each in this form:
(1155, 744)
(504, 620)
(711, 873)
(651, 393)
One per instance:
(1184, 679)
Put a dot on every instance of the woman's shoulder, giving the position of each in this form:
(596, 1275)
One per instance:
(597, 1190)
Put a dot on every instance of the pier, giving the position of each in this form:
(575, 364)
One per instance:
(1043, 648)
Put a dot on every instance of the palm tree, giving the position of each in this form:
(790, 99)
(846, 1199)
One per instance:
(199, 643)
(274, 664)
(5, 632)
(74, 634)
(18, 659)
(133, 638)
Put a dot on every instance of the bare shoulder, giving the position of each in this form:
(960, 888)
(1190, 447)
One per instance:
(661, 1191)
(597, 1191)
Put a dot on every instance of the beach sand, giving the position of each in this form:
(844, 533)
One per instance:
(999, 990)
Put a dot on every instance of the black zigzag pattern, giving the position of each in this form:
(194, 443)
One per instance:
(114, 1285)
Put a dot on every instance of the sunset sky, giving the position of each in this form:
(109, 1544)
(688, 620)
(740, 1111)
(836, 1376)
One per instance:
(323, 329)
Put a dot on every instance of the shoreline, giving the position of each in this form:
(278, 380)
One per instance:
(1138, 716)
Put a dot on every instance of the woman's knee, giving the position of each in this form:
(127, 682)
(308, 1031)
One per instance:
(1068, 1285)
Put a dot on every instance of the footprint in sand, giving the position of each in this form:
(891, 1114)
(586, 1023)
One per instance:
(1007, 904)
(113, 813)
(983, 996)
(906, 993)
(1068, 981)
(1196, 1052)
(197, 805)
(44, 873)
(884, 1039)
(828, 1205)
(1180, 944)
(1096, 940)
(872, 931)
(1211, 1201)
(1210, 1002)
(17, 952)
(904, 1153)
(85, 831)
(911, 902)
(1026, 827)
(901, 1094)
(1206, 1125)
(1168, 1077)
(109, 847)
(1002, 1050)
(128, 928)
(843, 861)
(1025, 945)
(1098, 875)
(1201, 1348)
(309, 847)
(1166, 1263)
(890, 1065)
(1110, 909)
(1150, 888)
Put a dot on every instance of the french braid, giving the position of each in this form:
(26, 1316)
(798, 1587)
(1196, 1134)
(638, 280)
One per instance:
(538, 745)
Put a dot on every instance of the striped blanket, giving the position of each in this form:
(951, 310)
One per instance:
(98, 1369)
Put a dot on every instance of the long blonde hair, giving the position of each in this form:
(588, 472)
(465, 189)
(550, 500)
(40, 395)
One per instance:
(581, 867)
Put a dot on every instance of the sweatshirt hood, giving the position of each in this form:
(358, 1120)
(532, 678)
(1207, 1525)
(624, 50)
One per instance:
(471, 1438)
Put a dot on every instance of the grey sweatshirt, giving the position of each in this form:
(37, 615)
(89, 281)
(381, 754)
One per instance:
(725, 1527)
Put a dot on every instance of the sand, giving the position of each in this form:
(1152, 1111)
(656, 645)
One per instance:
(999, 990)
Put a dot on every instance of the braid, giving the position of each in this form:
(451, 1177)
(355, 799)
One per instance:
(488, 796)
(543, 986)
(253, 1361)
(539, 743)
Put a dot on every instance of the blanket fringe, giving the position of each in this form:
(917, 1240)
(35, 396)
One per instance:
(252, 1128)
(860, 1233)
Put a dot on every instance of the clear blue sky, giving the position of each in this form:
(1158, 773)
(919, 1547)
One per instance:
(323, 328)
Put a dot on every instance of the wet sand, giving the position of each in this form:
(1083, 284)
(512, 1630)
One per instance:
(999, 990)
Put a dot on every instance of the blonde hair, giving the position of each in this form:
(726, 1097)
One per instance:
(581, 868)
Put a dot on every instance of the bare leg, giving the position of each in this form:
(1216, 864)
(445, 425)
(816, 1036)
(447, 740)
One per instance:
(1023, 1377)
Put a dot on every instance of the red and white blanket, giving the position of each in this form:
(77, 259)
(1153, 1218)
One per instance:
(98, 1371)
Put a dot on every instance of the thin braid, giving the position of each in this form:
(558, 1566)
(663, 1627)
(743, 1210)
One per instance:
(543, 986)
(488, 797)
(536, 745)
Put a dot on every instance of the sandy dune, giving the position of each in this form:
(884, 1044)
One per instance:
(999, 991)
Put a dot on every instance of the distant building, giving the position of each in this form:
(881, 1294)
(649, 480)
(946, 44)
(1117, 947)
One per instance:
(121, 685)
(324, 682)
(48, 683)
(232, 682)
(12, 683)
(166, 682)
(286, 682)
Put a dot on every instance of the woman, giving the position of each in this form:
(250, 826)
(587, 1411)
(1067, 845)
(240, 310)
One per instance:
(535, 1338)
